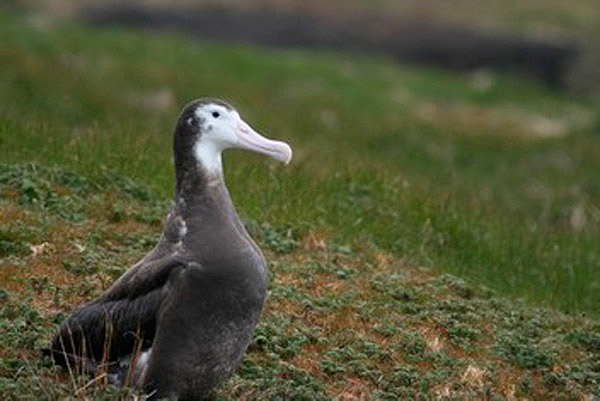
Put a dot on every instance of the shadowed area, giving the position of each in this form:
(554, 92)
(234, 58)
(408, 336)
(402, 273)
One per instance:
(417, 40)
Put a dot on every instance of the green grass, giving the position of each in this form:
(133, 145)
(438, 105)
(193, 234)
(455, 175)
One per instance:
(340, 324)
(418, 161)
(400, 175)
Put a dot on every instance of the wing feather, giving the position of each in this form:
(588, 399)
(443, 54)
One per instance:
(120, 321)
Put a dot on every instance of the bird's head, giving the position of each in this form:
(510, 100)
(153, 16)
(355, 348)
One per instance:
(208, 127)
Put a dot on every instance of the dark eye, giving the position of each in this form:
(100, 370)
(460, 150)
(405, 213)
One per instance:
(215, 114)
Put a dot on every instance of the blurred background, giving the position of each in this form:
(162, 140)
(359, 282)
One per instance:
(463, 135)
(549, 41)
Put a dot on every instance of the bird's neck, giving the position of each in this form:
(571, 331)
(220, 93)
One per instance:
(204, 203)
(208, 158)
(203, 200)
(202, 186)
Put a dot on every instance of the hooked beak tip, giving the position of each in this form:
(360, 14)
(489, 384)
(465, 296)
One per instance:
(251, 140)
(288, 154)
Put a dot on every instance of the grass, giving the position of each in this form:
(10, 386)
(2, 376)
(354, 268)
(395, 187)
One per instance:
(400, 176)
(340, 323)
(420, 162)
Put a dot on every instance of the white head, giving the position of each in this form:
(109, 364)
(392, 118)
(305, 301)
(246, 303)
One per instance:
(220, 127)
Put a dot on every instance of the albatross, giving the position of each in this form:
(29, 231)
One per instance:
(179, 321)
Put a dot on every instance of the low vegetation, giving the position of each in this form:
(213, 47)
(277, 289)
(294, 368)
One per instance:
(341, 323)
(403, 180)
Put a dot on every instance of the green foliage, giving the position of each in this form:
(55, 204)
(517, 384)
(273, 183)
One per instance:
(590, 340)
(279, 240)
(387, 163)
(395, 156)
(404, 333)
(524, 352)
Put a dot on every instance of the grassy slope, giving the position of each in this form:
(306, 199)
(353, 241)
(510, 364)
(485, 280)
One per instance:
(423, 163)
(409, 167)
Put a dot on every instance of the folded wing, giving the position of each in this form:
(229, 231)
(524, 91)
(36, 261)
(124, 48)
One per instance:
(120, 322)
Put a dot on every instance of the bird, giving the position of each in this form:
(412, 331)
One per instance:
(179, 320)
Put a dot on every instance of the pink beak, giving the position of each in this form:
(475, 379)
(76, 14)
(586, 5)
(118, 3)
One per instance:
(251, 140)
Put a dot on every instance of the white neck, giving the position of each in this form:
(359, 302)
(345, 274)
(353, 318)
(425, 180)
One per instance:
(208, 154)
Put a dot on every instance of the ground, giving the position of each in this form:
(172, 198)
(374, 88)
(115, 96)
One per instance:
(340, 323)
(435, 237)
